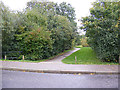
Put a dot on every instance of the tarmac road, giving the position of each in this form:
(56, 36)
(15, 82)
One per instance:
(17, 79)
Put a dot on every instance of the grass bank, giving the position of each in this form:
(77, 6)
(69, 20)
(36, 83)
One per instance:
(79, 46)
(85, 56)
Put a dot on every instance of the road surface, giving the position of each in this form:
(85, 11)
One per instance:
(17, 79)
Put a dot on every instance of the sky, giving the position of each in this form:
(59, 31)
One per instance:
(81, 6)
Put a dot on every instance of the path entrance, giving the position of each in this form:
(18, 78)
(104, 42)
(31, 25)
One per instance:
(58, 59)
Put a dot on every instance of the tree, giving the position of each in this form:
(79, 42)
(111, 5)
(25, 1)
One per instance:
(33, 36)
(67, 10)
(101, 29)
(39, 32)
(46, 8)
(7, 25)
(61, 34)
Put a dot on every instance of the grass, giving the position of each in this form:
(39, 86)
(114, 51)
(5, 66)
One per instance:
(33, 61)
(85, 56)
(79, 46)
(37, 61)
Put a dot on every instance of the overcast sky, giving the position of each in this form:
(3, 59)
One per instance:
(81, 6)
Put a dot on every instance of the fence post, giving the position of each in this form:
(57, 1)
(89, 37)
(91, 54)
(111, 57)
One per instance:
(75, 59)
(5, 57)
(119, 59)
(23, 57)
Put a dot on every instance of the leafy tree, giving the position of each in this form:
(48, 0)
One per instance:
(84, 41)
(7, 26)
(35, 44)
(46, 8)
(61, 34)
(39, 32)
(67, 10)
(102, 31)
(33, 36)
(1, 21)
(62, 30)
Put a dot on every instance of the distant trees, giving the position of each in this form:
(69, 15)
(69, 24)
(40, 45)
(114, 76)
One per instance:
(41, 31)
(102, 29)
(7, 23)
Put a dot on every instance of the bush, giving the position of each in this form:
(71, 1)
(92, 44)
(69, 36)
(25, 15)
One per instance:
(42, 30)
(102, 30)
(84, 42)
(35, 44)
(107, 46)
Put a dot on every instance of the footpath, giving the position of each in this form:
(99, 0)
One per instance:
(56, 66)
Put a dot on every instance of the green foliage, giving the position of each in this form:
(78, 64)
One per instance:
(35, 44)
(101, 30)
(39, 31)
(33, 36)
(61, 34)
(62, 30)
(84, 42)
(7, 23)
(78, 39)
(67, 10)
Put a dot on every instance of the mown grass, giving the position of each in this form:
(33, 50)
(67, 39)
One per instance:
(37, 61)
(33, 61)
(79, 46)
(85, 56)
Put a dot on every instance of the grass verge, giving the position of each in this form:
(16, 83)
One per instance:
(79, 46)
(85, 56)
(37, 61)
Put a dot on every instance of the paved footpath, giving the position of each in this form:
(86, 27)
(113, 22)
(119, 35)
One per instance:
(56, 66)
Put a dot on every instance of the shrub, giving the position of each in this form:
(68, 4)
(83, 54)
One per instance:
(84, 42)
(35, 44)
(102, 30)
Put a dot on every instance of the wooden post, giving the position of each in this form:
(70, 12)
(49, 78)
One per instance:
(119, 59)
(23, 57)
(5, 57)
(75, 59)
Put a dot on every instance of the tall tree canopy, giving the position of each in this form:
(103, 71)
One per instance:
(102, 30)
(40, 31)
(7, 23)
